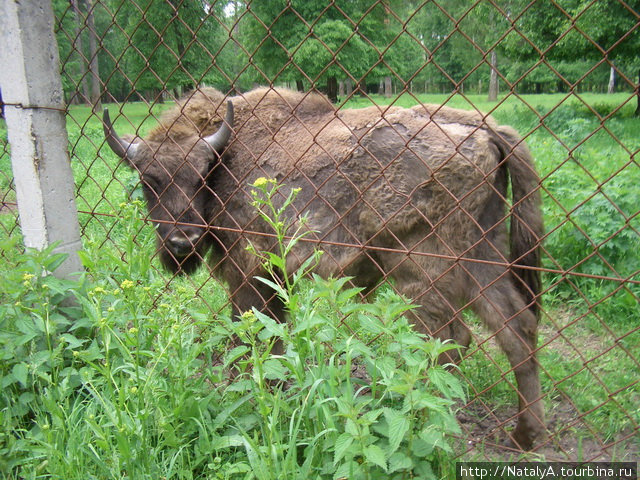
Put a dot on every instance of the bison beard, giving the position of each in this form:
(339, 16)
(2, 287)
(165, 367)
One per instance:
(424, 188)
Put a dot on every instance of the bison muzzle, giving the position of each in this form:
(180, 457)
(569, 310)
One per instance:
(418, 195)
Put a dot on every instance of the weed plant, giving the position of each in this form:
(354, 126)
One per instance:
(99, 381)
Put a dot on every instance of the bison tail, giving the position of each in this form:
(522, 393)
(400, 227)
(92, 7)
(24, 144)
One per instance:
(526, 216)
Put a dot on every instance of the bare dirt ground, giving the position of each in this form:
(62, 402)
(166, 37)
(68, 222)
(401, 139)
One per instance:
(570, 437)
(483, 439)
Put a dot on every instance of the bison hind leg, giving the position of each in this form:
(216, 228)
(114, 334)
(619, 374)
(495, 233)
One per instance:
(503, 309)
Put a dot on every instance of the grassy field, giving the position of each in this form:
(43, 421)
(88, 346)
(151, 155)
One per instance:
(130, 381)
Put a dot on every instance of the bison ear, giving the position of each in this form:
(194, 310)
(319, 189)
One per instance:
(123, 148)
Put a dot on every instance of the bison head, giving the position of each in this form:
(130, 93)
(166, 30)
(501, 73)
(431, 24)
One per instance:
(174, 175)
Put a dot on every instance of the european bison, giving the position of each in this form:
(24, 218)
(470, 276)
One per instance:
(418, 194)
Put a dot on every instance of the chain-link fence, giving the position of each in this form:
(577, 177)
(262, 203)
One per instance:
(562, 73)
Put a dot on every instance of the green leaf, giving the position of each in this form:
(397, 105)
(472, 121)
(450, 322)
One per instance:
(271, 327)
(435, 438)
(235, 354)
(399, 461)
(347, 470)
(375, 455)
(447, 383)
(227, 441)
(73, 342)
(398, 427)
(21, 372)
(424, 471)
(274, 369)
(421, 448)
(54, 261)
(346, 295)
(343, 442)
(275, 260)
(86, 259)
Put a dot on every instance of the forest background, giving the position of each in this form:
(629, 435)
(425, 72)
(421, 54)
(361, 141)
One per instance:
(115, 50)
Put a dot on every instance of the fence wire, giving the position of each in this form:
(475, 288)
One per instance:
(547, 64)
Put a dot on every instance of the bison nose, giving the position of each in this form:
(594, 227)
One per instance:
(182, 244)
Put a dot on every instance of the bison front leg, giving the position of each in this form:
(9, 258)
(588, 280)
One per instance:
(246, 294)
(251, 294)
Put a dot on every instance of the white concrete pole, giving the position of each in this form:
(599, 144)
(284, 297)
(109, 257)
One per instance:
(34, 111)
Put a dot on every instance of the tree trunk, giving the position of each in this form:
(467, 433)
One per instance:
(612, 79)
(299, 85)
(341, 88)
(77, 46)
(637, 114)
(332, 89)
(349, 87)
(93, 59)
(388, 89)
(362, 88)
(493, 78)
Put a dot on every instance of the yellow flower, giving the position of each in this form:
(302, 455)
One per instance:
(262, 182)
(27, 276)
(126, 284)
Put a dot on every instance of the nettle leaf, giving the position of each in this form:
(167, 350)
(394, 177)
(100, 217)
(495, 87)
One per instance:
(435, 438)
(375, 455)
(274, 369)
(351, 469)
(447, 383)
(421, 448)
(372, 415)
(398, 425)
(343, 442)
(399, 461)
(424, 471)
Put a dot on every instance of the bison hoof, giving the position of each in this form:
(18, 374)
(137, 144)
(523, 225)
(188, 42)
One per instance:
(519, 440)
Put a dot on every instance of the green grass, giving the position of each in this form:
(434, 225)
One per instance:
(130, 381)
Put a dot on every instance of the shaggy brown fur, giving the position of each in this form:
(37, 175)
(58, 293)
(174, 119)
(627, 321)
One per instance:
(423, 188)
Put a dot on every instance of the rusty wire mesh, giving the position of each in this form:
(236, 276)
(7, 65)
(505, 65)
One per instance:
(153, 52)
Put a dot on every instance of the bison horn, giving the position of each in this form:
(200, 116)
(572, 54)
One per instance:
(219, 140)
(120, 147)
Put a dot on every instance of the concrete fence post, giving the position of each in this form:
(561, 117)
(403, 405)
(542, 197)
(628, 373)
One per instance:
(35, 116)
